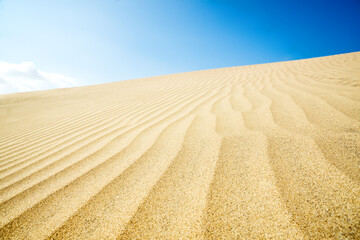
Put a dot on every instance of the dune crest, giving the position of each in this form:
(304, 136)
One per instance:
(252, 152)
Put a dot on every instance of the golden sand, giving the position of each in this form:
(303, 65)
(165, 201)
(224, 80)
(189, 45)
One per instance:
(266, 151)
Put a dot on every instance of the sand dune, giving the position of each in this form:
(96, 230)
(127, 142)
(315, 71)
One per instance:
(252, 152)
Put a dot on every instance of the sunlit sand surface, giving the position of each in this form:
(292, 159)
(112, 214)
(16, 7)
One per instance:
(253, 152)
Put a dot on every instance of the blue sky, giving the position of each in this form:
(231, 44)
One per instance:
(97, 41)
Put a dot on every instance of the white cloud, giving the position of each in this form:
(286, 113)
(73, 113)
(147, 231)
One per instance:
(26, 77)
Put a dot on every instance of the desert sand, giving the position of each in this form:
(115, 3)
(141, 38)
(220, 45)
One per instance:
(268, 151)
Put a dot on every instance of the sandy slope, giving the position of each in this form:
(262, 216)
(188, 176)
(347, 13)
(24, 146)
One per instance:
(262, 151)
